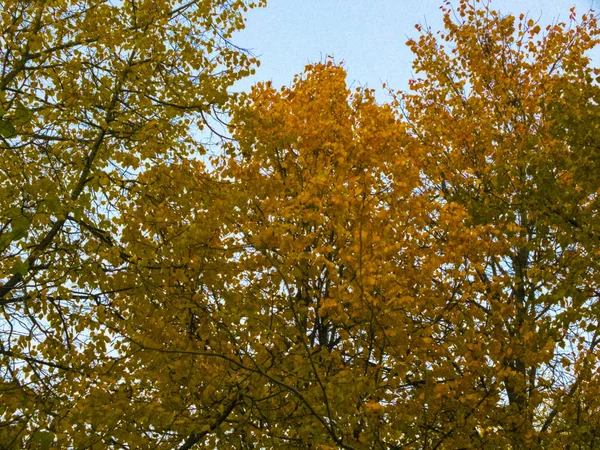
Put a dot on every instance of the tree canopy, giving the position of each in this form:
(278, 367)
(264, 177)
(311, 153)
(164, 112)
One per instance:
(346, 273)
(98, 100)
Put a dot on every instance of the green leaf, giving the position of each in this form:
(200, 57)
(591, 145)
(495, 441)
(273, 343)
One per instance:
(42, 440)
(7, 129)
(54, 204)
(20, 267)
(23, 115)
(78, 212)
(20, 226)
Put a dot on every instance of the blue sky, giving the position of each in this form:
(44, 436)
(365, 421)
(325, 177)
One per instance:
(368, 35)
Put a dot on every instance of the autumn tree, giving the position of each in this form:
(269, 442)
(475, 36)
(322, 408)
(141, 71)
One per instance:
(333, 303)
(506, 117)
(418, 274)
(92, 95)
(334, 245)
(270, 299)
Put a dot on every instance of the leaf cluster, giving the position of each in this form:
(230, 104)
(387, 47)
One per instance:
(421, 273)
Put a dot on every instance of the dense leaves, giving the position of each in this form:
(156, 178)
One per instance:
(347, 274)
(494, 114)
(92, 95)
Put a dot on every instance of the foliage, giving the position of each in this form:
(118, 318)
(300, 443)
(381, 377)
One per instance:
(496, 117)
(93, 94)
(348, 274)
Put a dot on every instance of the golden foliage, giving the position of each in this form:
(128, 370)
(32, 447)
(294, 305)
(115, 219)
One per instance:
(348, 274)
(93, 94)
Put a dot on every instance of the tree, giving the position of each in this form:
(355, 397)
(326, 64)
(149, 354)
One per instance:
(493, 113)
(309, 231)
(418, 274)
(421, 274)
(93, 94)
(335, 246)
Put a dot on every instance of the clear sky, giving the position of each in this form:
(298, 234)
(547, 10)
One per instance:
(368, 35)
